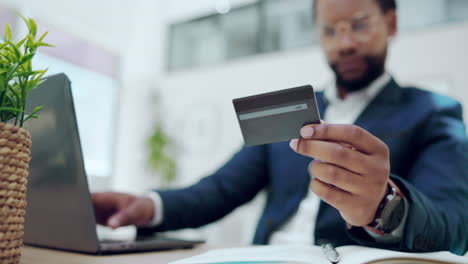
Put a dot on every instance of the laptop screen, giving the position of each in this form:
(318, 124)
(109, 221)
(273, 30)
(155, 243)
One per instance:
(59, 212)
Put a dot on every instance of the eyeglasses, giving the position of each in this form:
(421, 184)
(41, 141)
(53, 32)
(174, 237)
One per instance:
(360, 28)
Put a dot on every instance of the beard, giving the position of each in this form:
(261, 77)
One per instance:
(375, 67)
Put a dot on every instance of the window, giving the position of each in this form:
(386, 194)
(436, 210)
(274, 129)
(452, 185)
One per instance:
(457, 10)
(288, 24)
(205, 44)
(240, 30)
(278, 25)
(214, 39)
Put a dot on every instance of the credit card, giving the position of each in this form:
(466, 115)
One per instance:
(276, 116)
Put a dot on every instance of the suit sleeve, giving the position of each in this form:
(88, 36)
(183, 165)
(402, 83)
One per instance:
(436, 189)
(213, 197)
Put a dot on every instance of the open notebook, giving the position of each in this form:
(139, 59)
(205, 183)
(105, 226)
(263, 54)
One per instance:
(304, 254)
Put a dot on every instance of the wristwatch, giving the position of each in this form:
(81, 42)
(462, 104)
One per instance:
(390, 212)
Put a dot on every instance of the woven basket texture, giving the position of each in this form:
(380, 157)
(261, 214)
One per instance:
(15, 145)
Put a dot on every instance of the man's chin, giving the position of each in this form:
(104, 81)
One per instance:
(353, 81)
(352, 72)
(354, 84)
(355, 77)
(351, 77)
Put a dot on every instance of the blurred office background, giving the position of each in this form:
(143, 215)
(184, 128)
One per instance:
(134, 64)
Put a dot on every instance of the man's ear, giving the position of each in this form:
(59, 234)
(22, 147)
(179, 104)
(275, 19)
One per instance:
(391, 19)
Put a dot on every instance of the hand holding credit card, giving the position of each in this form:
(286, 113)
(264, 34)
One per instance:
(276, 116)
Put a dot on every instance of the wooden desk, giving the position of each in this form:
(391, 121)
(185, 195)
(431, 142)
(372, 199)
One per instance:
(32, 255)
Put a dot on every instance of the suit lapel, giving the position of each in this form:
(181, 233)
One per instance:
(384, 104)
(321, 103)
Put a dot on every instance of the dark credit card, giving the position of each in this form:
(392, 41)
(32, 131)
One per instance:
(276, 116)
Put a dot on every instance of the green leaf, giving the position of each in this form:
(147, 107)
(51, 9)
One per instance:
(21, 42)
(16, 51)
(30, 43)
(26, 58)
(4, 54)
(39, 82)
(11, 109)
(27, 117)
(4, 62)
(11, 57)
(40, 75)
(28, 65)
(43, 36)
(36, 110)
(7, 35)
(16, 94)
(32, 26)
(11, 72)
(42, 44)
(31, 85)
(23, 74)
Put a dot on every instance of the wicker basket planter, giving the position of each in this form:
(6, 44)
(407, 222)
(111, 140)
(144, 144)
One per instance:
(15, 145)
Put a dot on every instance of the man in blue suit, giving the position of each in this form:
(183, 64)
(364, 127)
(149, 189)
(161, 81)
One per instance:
(389, 169)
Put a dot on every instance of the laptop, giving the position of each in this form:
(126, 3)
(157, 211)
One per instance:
(60, 213)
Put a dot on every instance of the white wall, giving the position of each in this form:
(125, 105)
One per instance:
(141, 68)
(104, 22)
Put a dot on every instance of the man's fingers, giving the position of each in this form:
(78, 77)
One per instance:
(124, 217)
(339, 177)
(353, 135)
(334, 153)
(136, 213)
(114, 221)
(104, 206)
(331, 195)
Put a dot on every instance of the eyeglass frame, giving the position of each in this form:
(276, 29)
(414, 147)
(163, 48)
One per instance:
(355, 27)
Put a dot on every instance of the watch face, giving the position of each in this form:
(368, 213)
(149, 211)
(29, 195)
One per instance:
(392, 214)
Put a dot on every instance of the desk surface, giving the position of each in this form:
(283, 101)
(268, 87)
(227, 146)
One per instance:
(32, 255)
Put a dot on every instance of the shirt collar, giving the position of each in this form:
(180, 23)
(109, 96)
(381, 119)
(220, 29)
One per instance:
(368, 93)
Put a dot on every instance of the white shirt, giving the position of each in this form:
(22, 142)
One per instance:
(300, 227)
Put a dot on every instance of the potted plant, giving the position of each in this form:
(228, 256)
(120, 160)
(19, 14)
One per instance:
(17, 78)
(159, 158)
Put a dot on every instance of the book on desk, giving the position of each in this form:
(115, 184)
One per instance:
(306, 254)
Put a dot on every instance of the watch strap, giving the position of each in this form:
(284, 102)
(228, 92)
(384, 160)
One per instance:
(390, 202)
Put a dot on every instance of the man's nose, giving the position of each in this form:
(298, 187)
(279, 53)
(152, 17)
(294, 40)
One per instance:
(346, 43)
